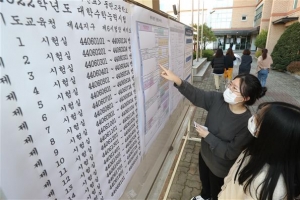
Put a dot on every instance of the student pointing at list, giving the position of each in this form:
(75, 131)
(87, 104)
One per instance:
(227, 120)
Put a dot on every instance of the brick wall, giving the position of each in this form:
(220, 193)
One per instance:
(240, 8)
(274, 33)
(282, 6)
(272, 11)
(267, 9)
(266, 14)
(147, 3)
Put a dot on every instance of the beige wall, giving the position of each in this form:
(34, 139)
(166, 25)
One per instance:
(147, 3)
(267, 9)
(154, 4)
(279, 9)
(272, 10)
(274, 33)
(282, 6)
(240, 8)
(264, 25)
(244, 3)
(295, 12)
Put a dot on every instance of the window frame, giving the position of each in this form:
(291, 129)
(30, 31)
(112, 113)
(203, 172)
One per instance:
(244, 16)
(295, 4)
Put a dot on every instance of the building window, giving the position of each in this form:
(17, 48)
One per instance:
(257, 17)
(295, 4)
(244, 18)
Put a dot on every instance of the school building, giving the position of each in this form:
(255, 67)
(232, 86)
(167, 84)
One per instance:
(234, 22)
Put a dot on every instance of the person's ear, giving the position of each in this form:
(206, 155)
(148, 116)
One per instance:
(246, 98)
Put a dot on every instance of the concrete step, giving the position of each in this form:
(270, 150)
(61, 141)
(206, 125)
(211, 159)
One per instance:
(199, 76)
(197, 65)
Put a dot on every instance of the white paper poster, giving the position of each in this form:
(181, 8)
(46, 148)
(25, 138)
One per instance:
(69, 118)
(188, 53)
(176, 59)
(152, 49)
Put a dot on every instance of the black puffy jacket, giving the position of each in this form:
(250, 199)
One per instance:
(218, 64)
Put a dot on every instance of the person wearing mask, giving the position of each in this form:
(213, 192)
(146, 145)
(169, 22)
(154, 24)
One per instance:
(229, 58)
(269, 168)
(227, 133)
(263, 66)
(246, 61)
(218, 65)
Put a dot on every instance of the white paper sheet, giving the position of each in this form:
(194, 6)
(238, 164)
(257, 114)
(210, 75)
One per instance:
(151, 48)
(176, 59)
(69, 123)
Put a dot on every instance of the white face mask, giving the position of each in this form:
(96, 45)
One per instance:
(229, 96)
(252, 126)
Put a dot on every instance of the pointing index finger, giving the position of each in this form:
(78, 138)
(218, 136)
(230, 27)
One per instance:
(162, 67)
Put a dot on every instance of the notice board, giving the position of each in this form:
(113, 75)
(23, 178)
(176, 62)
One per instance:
(81, 95)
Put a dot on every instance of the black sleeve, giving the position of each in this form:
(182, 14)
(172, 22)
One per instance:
(212, 63)
(229, 150)
(196, 96)
(226, 60)
(297, 180)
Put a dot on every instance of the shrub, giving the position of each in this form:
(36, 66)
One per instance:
(261, 39)
(258, 53)
(287, 48)
(208, 53)
(294, 67)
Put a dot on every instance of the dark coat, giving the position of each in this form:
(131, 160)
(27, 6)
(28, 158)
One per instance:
(245, 65)
(229, 61)
(218, 64)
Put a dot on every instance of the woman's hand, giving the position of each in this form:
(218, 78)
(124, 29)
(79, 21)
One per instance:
(169, 75)
(201, 131)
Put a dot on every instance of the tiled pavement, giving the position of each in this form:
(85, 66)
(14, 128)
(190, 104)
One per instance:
(186, 183)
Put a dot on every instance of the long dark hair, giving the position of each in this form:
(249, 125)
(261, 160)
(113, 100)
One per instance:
(264, 53)
(249, 87)
(219, 53)
(230, 52)
(277, 145)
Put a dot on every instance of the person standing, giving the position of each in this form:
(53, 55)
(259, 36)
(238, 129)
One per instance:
(246, 61)
(229, 58)
(269, 168)
(263, 66)
(227, 119)
(218, 65)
